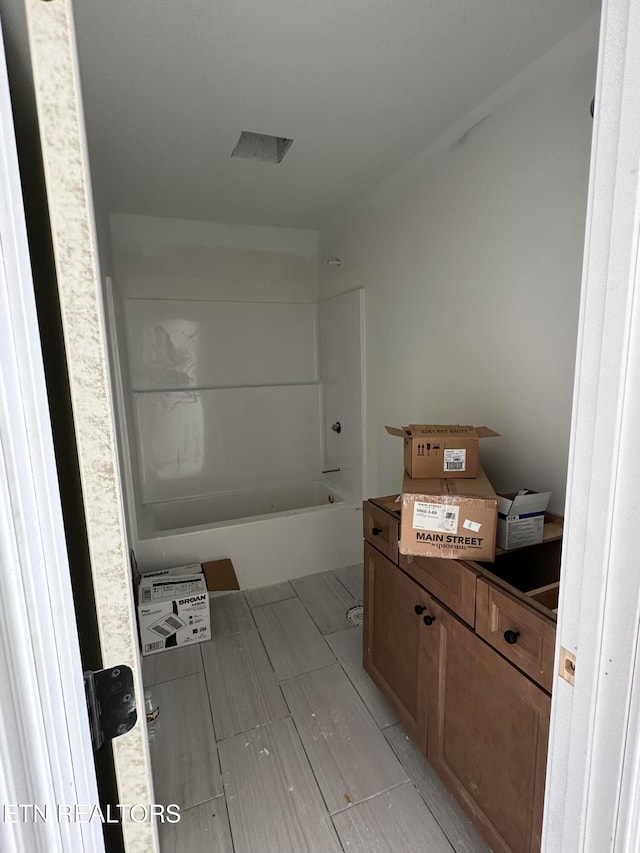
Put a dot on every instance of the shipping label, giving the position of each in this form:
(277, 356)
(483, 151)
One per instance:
(436, 517)
(455, 460)
(525, 531)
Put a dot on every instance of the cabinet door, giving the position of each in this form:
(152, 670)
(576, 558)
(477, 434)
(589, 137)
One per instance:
(488, 732)
(394, 630)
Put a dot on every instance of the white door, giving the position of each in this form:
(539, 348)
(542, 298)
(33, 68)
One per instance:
(46, 757)
(64, 154)
(593, 779)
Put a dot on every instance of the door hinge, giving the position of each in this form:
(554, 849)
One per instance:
(111, 703)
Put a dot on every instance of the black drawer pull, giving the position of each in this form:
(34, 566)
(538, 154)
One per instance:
(428, 620)
(419, 608)
(511, 637)
(376, 531)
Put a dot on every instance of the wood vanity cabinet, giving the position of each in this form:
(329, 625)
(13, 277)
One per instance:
(394, 605)
(488, 734)
(463, 652)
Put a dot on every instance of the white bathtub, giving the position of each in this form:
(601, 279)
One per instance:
(213, 511)
(271, 535)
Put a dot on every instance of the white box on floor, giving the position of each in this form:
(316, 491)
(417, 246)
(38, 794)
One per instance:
(173, 611)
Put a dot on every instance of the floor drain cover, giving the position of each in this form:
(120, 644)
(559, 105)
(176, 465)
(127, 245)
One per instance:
(355, 615)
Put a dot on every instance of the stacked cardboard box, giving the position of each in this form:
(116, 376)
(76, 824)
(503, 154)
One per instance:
(441, 450)
(452, 516)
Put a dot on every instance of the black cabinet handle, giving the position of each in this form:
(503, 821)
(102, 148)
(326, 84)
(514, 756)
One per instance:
(376, 531)
(428, 620)
(419, 608)
(511, 637)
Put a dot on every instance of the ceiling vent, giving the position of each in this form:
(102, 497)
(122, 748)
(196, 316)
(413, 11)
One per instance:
(262, 147)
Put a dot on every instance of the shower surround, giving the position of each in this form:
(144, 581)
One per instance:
(225, 405)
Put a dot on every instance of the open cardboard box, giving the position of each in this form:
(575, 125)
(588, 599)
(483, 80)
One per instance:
(445, 450)
(173, 604)
(521, 518)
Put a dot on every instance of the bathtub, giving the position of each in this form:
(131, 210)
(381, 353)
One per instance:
(213, 511)
(272, 535)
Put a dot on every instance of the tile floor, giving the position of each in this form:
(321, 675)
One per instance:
(273, 739)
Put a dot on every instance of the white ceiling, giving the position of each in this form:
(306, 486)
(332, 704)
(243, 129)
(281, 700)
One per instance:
(360, 85)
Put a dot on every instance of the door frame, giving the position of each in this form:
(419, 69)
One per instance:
(593, 783)
(46, 756)
(56, 78)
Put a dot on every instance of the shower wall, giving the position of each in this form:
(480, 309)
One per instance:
(231, 376)
(224, 394)
(341, 353)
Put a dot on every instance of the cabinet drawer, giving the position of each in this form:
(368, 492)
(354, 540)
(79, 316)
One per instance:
(381, 529)
(523, 636)
(453, 582)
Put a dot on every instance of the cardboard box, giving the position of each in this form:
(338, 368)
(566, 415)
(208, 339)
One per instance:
(521, 519)
(163, 606)
(173, 611)
(452, 519)
(447, 450)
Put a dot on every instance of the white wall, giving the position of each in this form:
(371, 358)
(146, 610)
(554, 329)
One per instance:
(470, 257)
(163, 258)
